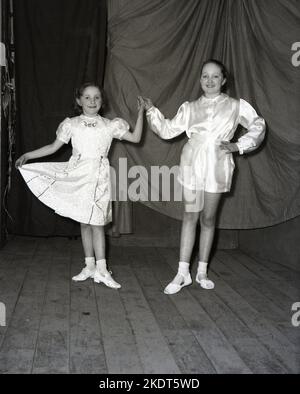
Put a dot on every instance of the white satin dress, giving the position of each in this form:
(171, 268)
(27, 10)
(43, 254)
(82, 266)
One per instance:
(207, 122)
(80, 188)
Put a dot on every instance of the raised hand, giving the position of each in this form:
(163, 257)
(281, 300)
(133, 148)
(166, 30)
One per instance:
(140, 103)
(228, 147)
(147, 103)
(21, 160)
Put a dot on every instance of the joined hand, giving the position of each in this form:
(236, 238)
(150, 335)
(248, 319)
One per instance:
(146, 102)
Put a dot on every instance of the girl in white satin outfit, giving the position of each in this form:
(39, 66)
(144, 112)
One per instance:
(80, 189)
(206, 164)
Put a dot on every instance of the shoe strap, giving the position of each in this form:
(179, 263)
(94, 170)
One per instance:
(182, 272)
(202, 274)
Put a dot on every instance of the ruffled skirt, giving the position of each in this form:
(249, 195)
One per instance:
(78, 189)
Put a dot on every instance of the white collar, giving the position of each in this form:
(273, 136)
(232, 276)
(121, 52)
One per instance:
(90, 118)
(217, 99)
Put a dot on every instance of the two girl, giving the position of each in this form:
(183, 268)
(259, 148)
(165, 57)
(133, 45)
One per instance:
(80, 189)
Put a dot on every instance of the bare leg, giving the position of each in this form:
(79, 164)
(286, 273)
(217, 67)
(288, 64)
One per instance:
(98, 241)
(208, 220)
(87, 243)
(188, 234)
(189, 224)
(187, 240)
(87, 239)
(102, 275)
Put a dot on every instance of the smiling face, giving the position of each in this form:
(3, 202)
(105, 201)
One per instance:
(212, 80)
(90, 101)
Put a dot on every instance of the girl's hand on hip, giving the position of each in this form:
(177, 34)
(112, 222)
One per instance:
(228, 147)
(21, 160)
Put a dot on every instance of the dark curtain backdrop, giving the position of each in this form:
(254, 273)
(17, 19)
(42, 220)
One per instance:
(59, 45)
(156, 48)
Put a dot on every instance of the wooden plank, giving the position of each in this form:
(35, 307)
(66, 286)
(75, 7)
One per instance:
(253, 353)
(250, 286)
(117, 334)
(162, 361)
(188, 354)
(20, 245)
(52, 349)
(57, 247)
(265, 331)
(16, 361)
(154, 352)
(76, 248)
(276, 343)
(86, 348)
(12, 274)
(221, 353)
(262, 298)
(279, 291)
(6, 260)
(286, 293)
(92, 329)
(287, 273)
(18, 345)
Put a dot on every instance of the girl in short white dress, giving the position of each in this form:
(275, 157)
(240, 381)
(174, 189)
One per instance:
(80, 189)
(206, 165)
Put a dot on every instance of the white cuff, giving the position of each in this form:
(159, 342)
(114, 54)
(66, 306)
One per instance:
(150, 109)
(241, 150)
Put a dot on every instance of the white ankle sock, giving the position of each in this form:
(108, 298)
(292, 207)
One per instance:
(183, 270)
(202, 267)
(101, 265)
(202, 278)
(90, 262)
(183, 267)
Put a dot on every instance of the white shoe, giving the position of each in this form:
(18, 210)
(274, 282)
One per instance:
(107, 279)
(204, 282)
(174, 288)
(84, 274)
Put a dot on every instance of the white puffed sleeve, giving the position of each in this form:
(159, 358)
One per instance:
(64, 131)
(255, 125)
(166, 128)
(119, 128)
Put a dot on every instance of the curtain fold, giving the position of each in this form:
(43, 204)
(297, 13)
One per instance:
(156, 49)
(59, 45)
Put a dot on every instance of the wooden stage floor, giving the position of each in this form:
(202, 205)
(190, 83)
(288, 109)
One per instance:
(56, 326)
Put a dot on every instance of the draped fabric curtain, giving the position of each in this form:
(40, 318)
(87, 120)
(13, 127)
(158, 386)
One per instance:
(59, 45)
(156, 49)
